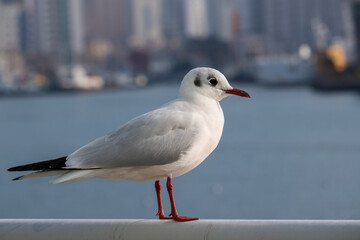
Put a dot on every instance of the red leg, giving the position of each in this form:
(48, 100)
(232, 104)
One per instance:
(160, 212)
(174, 213)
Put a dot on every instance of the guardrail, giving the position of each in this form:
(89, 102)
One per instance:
(88, 229)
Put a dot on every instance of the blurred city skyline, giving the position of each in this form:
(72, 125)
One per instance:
(62, 39)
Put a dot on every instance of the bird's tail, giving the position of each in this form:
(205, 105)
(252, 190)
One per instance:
(51, 168)
(43, 169)
(43, 173)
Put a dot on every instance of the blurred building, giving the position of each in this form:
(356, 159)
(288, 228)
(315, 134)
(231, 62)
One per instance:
(53, 28)
(173, 22)
(43, 29)
(196, 18)
(356, 13)
(76, 28)
(10, 15)
(147, 24)
(219, 20)
(107, 20)
(11, 63)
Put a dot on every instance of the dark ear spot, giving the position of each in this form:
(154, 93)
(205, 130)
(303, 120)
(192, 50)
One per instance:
(197, 82)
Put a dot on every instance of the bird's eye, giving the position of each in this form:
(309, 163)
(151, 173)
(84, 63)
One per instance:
(213, 81)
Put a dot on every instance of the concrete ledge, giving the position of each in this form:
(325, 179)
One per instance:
(88, 229)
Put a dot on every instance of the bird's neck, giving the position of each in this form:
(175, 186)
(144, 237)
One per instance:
(213, 117)
(207, 105)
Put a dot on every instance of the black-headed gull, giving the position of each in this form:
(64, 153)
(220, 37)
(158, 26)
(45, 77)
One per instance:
(161, 144)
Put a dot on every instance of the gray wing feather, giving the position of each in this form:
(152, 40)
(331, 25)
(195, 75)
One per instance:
(156, 138)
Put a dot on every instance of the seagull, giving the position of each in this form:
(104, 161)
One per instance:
(162, 144)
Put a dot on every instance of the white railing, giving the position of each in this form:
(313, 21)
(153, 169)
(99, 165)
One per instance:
(82, 229)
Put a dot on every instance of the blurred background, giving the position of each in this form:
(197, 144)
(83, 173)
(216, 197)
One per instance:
(74, 70)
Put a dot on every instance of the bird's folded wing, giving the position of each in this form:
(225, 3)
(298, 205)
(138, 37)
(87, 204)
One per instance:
(156, 138)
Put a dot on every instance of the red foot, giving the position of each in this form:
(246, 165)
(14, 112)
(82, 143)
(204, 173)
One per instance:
(178, 218)
(184, 219)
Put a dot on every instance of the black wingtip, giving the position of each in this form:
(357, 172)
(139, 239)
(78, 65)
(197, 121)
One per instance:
(12, 169)
(54, 164)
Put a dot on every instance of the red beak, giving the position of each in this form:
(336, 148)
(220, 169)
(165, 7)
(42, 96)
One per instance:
(238, 92)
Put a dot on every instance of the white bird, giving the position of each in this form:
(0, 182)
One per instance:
(164, 143)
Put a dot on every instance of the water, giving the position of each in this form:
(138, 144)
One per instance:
(285, 153)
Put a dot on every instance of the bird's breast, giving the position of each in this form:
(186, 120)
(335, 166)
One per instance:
(208, 136)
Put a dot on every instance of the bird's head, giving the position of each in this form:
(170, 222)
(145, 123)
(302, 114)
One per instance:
(207, 82)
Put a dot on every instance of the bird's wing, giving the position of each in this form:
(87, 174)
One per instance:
(155, 138)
